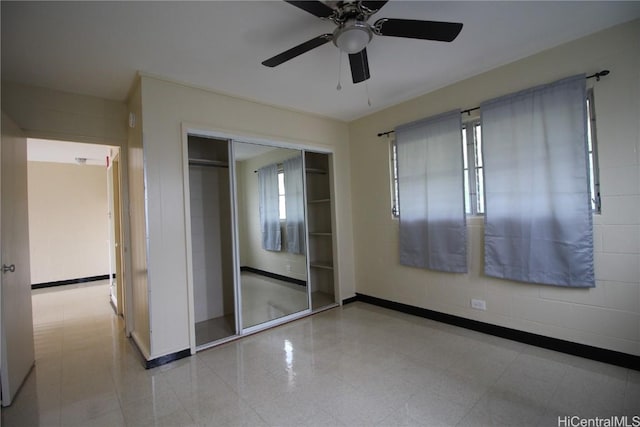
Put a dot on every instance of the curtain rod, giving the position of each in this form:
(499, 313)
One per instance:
(469, 110)
(280, 168)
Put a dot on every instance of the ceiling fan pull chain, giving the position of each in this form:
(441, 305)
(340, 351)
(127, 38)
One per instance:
(339, 87)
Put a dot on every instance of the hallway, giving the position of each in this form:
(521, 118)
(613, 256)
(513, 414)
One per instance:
(80, 352)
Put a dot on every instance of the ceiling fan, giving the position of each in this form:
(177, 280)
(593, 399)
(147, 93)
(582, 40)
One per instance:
(353, 33)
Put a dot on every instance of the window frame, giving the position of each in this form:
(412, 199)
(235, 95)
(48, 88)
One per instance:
(282, 210)
(474, 193)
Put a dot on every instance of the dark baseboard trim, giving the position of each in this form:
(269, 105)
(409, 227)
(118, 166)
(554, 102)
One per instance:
(70, 281)
(274, 275)
(589, 352)
(349, 300)
(163, 360)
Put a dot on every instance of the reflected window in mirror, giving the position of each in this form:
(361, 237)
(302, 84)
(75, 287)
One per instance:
(281, 196)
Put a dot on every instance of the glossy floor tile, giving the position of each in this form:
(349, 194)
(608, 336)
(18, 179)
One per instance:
(359, 365)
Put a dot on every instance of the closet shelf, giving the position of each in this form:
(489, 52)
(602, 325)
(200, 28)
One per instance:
(321, 264)
(320, 233)
(319, 201)
(316, 170)
(208, 162)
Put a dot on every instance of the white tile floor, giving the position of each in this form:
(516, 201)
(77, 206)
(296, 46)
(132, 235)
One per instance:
(358, 366)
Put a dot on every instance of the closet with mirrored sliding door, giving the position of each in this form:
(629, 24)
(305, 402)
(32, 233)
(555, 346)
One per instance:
(261, 238)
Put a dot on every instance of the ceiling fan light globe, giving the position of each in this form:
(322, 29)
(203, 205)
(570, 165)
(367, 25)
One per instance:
(353, 38)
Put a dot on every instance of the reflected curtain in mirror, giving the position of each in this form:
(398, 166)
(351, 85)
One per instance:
(269, 207)
(431, 197)
(538, 220)
(294, 204)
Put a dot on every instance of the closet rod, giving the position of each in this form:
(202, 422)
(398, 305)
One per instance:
(316, 170)
(307, 170)
(209, 163)
(469, 110)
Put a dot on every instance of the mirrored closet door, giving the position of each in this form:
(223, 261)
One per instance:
(271, 233)
(214, 297)
(262, 237)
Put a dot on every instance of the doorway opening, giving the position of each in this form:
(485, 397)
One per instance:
(74, 195)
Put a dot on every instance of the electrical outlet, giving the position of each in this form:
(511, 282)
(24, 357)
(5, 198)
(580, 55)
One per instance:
(479, 304)
(289, 268)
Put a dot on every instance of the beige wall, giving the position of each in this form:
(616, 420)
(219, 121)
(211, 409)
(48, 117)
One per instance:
(68, 222)
(166, 107)
(606, 316)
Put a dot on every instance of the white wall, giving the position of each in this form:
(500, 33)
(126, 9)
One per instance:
(166, 107)
(68, 221)
(210, 207)
(606, 316)
(251, 252)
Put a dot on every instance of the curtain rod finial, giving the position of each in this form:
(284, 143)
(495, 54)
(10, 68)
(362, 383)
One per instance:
(601, 74)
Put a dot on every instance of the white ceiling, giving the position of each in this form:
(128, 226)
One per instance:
(96, 48)
(45, 150)
(244, 151)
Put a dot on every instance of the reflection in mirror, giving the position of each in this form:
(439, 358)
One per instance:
(273, 265)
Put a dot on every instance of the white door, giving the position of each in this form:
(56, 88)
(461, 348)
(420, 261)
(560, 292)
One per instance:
(15, 287)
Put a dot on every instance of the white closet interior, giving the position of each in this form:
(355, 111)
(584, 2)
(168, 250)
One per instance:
(211, 244)
(320, 230)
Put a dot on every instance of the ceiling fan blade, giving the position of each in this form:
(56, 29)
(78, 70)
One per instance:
(359, 66)
(298, 50)
(374, 6)
(316, 8)
(425, 30)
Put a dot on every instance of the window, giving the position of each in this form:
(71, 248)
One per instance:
(472, 158)
(281, 198)
(594, 176)
(473, 174)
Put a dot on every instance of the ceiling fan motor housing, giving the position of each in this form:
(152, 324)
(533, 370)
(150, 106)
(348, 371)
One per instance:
(353, 36)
